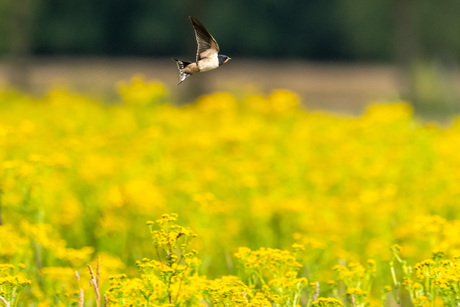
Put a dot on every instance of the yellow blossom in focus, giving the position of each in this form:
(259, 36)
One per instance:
(327, 302)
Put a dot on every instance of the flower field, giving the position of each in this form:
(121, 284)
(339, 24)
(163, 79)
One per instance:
(226, 201)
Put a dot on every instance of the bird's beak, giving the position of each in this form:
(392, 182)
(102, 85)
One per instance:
(227, 59)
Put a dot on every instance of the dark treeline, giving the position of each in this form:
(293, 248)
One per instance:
(345, 30)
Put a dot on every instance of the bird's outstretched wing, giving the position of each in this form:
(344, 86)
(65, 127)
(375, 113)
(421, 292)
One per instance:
(207, 45)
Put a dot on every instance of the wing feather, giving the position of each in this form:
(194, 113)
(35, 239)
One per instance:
(207, 45)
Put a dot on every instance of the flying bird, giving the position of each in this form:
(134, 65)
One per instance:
(207, 55)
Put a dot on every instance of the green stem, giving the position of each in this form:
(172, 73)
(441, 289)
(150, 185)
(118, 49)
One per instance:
(259, 274)
(178, 291)
(159, 257)
(16, 299)
(4, 301)
(395, 282)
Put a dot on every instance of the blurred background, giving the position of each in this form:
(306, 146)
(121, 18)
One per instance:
(337, 54)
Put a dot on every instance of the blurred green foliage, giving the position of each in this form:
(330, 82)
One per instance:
(313, 29)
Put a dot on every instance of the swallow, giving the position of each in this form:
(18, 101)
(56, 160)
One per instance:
(207, 55)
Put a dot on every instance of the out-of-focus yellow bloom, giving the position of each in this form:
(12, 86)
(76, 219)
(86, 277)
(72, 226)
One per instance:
(217, 103)
(388, 112)
(11, 242)
(280, 102)
(141, 93)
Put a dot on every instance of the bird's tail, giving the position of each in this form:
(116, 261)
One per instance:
(181, 65)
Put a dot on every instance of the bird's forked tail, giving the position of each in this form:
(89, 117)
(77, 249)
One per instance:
(181, 65)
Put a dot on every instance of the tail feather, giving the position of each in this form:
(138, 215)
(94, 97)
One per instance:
(181, 65)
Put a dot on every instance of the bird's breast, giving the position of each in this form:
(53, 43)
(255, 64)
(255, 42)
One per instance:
(208, 64)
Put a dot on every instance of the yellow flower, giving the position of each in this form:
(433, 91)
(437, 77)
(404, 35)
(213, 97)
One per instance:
(141, 93)
(217, 102)
(327, 302)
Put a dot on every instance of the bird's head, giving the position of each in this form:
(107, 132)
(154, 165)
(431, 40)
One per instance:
(223, 59)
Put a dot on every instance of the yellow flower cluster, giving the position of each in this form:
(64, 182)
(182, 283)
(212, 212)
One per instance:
(80, 176)
(229, 291)
(268, 278)
(433, 281)
(275, 272)
(277, 263)
(12, 282)
(141, 93)
(358, 281)
(327, 302)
